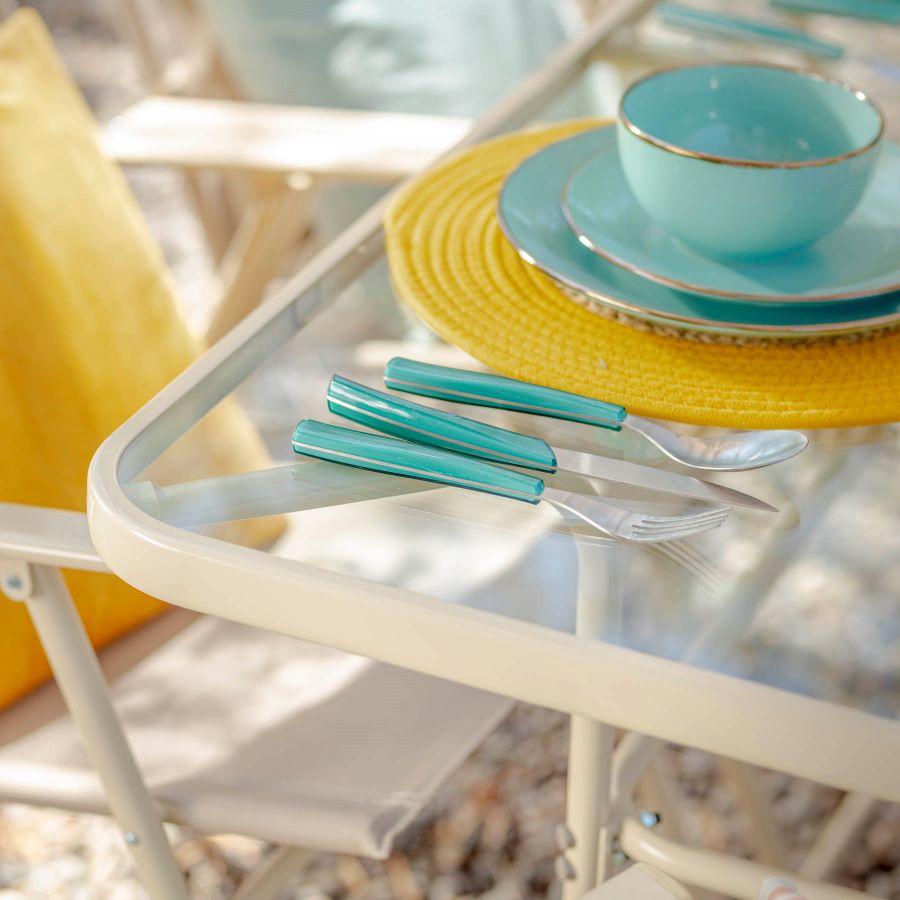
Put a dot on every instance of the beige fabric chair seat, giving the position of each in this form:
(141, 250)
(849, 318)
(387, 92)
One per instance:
(246, 731)
(240, 730)
(639, 882)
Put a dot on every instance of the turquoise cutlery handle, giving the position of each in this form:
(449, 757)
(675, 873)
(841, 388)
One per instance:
(481, 389)
(405, 419)
(879, 10)
(723, 25)
(398, 457)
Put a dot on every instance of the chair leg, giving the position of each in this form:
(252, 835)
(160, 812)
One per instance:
(209, 200)
(270, 876)
(267, 230)
(765, 834)
(844, 828)
(588, 799)
(87, 697)
(658, 792)
(737, 878)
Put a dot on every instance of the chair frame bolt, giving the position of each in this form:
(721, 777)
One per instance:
(564, 869)
(132, 839)
(15, 579)
(565, 839)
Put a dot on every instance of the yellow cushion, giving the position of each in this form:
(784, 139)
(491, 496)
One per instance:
(89, 330)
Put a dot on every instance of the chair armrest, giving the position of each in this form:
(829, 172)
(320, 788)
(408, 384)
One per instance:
(54, 537)
(237, 135)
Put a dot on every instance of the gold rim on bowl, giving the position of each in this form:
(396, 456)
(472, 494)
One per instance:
(751, 163)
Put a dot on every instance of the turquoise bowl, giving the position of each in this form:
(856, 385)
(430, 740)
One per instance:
(744, 159)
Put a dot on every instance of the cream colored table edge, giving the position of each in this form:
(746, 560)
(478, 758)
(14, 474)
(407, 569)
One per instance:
(668, 700)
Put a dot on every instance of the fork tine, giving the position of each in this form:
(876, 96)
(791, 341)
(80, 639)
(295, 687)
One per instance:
(677, 522)
(675, 530)
(690, 517)
(628, 524)
(676, 527)
(670, 534)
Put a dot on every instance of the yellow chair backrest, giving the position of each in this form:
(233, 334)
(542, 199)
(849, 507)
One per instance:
(89, 330)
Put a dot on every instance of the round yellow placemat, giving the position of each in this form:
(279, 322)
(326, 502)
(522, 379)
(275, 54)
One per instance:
(452, 264)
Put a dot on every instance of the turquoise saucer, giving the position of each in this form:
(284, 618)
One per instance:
(532, 219)
(861, 258)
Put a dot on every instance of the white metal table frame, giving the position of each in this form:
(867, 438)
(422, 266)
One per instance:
(655, 698)
(36, 542)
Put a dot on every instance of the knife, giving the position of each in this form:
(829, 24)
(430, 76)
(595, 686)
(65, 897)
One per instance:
(723, 25)
(879, 10)
(448, 431)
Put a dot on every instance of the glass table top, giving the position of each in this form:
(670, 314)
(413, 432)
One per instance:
(807, 599)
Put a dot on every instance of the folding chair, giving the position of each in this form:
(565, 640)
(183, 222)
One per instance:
(233, 728)
(252, 169)
(242, 92)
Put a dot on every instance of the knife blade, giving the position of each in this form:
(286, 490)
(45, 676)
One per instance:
(448, 431)
(590, 465)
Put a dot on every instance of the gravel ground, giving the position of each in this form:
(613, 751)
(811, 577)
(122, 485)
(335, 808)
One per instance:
(490, 832)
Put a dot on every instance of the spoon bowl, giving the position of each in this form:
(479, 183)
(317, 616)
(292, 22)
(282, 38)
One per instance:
(734, 452)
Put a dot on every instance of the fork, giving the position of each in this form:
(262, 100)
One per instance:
(399, 457)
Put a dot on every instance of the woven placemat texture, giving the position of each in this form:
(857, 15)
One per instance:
(452, 264)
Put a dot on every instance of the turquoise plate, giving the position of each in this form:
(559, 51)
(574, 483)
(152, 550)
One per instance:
(531, 217)
(861, 258)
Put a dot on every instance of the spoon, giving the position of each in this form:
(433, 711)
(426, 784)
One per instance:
(734, 452)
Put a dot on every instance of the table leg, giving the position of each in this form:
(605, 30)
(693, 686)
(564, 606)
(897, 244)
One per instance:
(588, 803)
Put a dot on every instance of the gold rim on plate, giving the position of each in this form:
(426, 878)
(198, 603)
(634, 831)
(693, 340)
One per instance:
(700, 289)
(732, 328)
